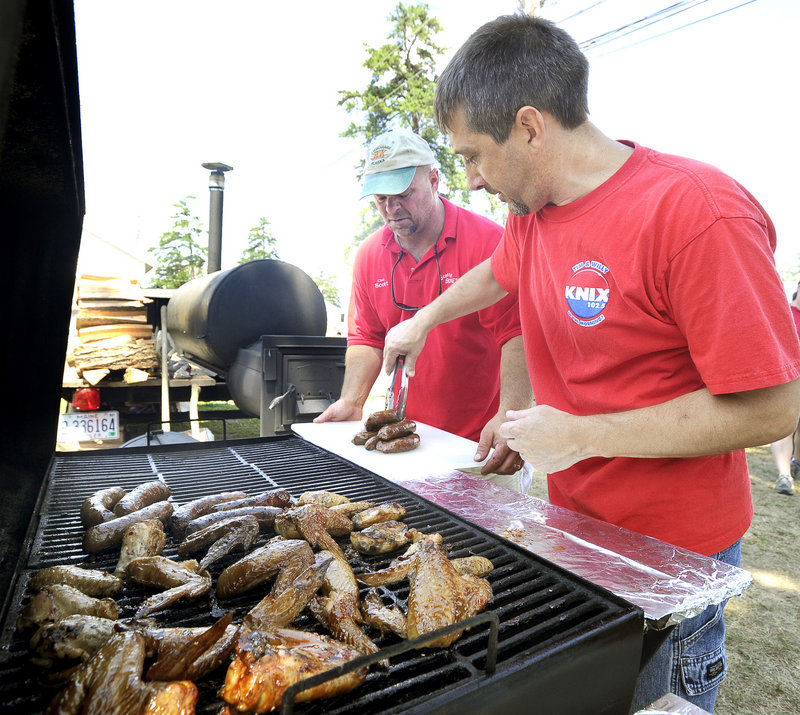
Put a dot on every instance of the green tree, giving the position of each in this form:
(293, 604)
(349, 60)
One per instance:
(371, 221)
(400, 91)
(328, 288)
(261, 243)
(179, 255)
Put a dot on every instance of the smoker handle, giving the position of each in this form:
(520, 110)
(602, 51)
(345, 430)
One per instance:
(490, 617)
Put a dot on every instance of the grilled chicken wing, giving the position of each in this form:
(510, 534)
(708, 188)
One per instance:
(340, 614)
(294, 586)
(198, 655)
(438, 595)
(391, 511)
(322, 498)
(475, 565)
(92, 582)
(266, 664)
(384, 618)
(111, 683)
(262, 564)
(72, 637)
(59, 600)
(352, 507)
(380, 538)
(145, 538)
(182, 580)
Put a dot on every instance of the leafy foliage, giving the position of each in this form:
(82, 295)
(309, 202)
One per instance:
(328, 288)
(371, 221)
(400, 91)
(180, 256)
(261, 243)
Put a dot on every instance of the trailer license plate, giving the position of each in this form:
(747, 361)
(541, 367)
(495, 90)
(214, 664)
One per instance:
(88, 426)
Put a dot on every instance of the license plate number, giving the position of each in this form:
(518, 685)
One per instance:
(88, 426)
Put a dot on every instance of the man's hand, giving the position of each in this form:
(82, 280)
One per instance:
(546, 437)
(406, 338)
(503, 459)
(341, 411)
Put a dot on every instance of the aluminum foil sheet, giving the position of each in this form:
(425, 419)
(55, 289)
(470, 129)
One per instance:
(670, 584)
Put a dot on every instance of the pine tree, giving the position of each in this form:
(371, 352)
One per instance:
(180, 256)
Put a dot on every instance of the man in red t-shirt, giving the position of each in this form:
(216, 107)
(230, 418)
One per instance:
(786, 451)
(657, 333)
(426, 245)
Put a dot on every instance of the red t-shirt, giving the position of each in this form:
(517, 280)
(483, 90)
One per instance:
(457, 382)
(658, 283)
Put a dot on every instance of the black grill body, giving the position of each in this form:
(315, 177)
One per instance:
(564, 646)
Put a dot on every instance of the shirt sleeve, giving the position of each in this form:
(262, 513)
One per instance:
(506, 258)
(728, 300)
(364, 326)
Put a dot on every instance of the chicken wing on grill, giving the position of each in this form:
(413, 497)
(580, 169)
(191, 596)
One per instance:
(111, 683)
(267, 663)
(181, 580)
(438, 595)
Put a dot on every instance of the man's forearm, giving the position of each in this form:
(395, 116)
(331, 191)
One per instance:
(362, 367)
(692, 425)
(475, 290)
(515, 383)
(696, 424)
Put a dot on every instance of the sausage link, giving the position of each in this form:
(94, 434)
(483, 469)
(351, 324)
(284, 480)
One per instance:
(265, 515)
(142, 496)
(397, 429)
(377, 419)
(362, 437)
(400, 444)
(97, 508)
(370, 444)
(185, 513)
(276, 497)
(109, 534)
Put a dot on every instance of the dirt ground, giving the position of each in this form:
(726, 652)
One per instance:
(763, 642)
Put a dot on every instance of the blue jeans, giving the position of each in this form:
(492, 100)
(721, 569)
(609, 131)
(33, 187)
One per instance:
(691, 662)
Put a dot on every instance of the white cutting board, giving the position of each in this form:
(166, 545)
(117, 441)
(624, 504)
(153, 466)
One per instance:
(438, 451)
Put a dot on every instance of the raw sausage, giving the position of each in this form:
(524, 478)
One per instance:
(397, 429)
(401, 444)
(109, 534)
(97, 508)
(142, 496)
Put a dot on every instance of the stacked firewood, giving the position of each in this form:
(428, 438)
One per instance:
(112, 330)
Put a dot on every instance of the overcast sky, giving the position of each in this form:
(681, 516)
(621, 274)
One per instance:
(167, 85)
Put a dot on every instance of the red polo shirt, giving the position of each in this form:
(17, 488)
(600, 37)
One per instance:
(457, 382)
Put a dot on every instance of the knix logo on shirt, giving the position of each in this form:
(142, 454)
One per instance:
(587, 293)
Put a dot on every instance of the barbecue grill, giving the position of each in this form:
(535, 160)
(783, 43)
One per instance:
(563, 645)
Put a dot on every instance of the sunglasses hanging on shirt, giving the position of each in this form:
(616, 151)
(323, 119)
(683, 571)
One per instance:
(403, 306)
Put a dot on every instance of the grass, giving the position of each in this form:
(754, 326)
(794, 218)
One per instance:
(763, 638)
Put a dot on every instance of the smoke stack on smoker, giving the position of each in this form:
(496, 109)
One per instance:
(216, 187)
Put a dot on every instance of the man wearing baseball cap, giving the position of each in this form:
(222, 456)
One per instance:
(425, 246)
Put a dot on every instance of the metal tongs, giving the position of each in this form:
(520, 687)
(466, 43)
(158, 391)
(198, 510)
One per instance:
(400, 405)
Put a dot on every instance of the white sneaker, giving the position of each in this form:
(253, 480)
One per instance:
(784, 484)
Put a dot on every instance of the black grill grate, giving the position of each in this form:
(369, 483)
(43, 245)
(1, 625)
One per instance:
(547, 616)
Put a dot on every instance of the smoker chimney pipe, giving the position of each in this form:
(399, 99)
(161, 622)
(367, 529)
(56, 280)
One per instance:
(216, 186)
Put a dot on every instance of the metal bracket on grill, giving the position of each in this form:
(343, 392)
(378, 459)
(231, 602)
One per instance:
(490, 617)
